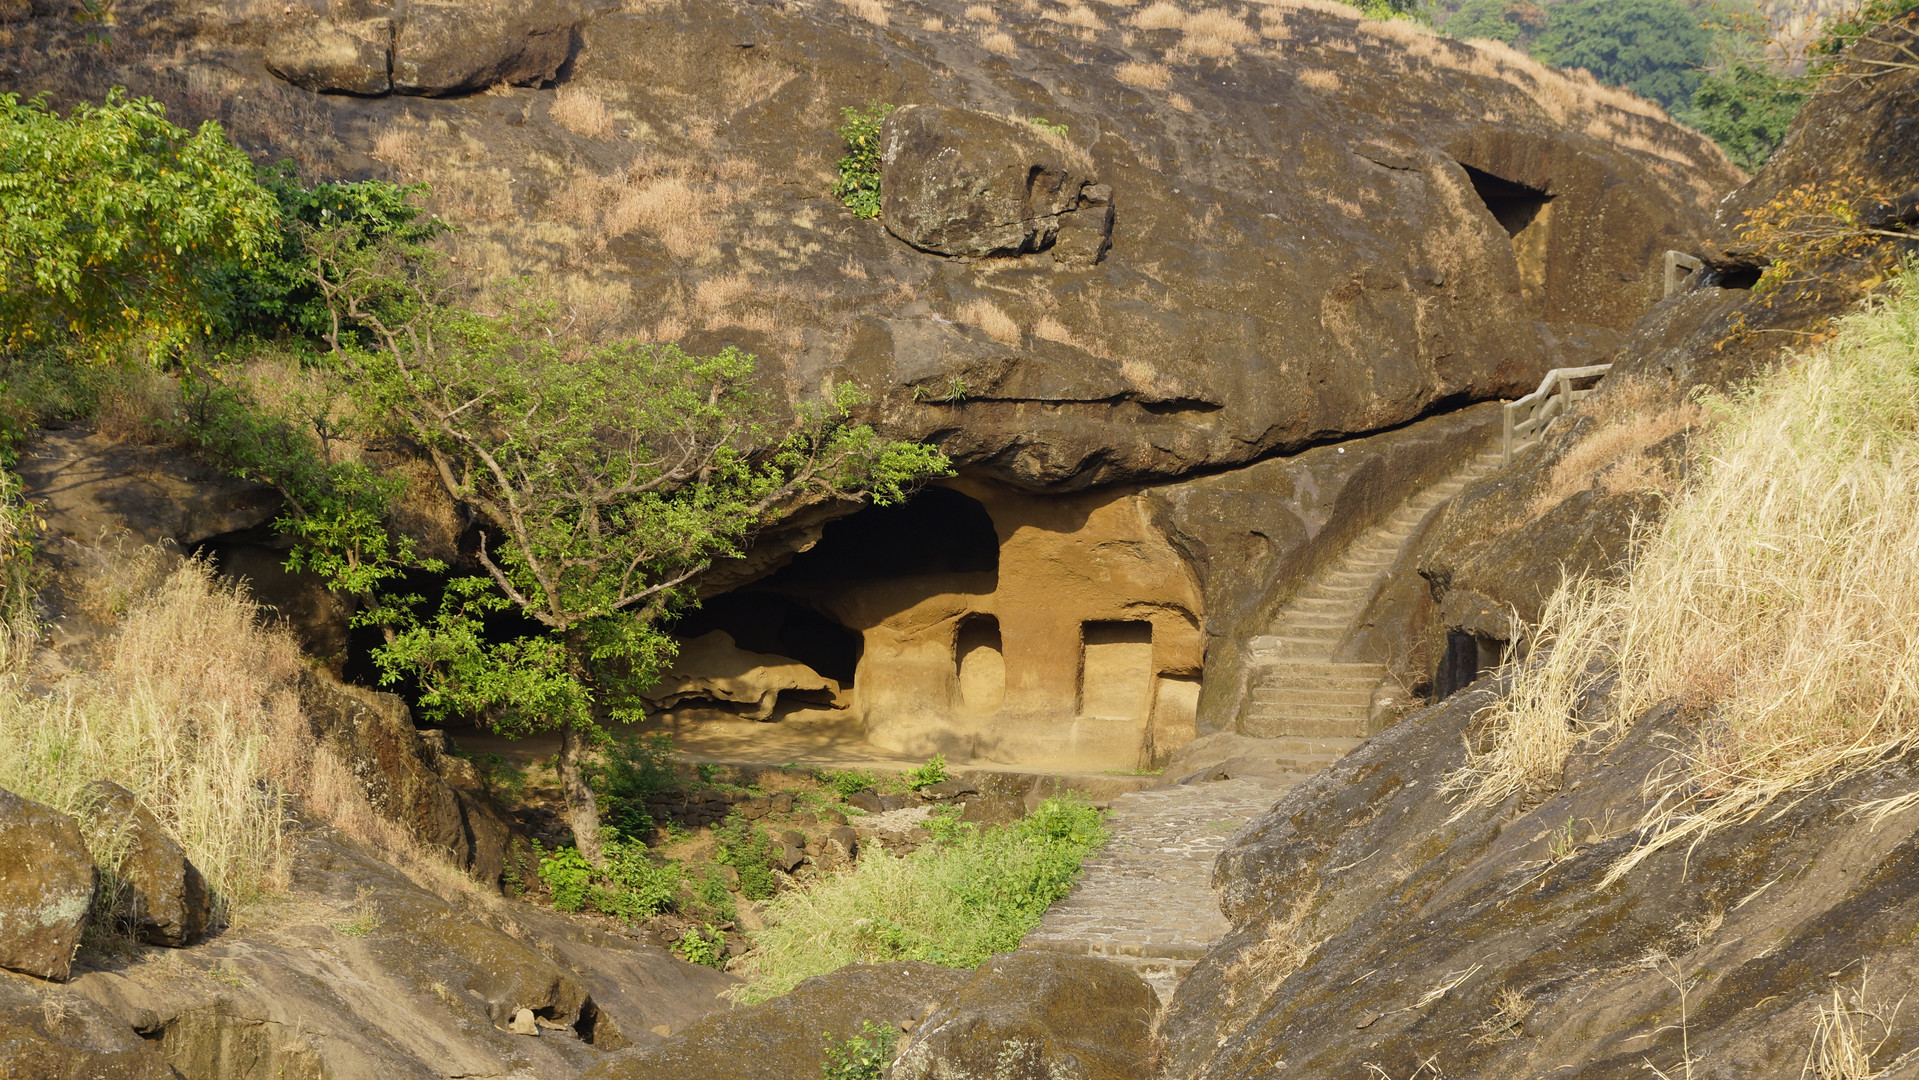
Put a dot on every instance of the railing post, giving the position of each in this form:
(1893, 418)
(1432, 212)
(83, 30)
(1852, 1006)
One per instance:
(1506, 458)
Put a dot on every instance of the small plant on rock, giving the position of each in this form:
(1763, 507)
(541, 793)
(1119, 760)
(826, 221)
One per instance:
(862, 1056)
(859, 183)
(704, 947)
(748, 850)
(933, 772)
(845, 782)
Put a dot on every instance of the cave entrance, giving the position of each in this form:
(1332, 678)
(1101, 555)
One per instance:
(770, 623)
(1116, 669)
(979, 661)
(1525, 213)
(1468, 657)
(937, 531)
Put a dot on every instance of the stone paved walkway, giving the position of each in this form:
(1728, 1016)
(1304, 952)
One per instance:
(1146, 899)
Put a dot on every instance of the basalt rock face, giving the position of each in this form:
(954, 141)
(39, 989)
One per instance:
(1485, 942)
(1038, 1016)
(46, 886)
(166, 900)
(1313, 226)
(1498, 550)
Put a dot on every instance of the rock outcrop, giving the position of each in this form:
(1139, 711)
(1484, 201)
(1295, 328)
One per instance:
(425, 48)
(711, 668)
(787, 1037)
(1376, 923)
(46, 887)
(164, 898)
(1038, 1016)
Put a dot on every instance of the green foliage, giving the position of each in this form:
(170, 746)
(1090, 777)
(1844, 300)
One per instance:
(277, 293)
(845, 782)
(704, 947)
(745, 847)
(1654, 47)
(633, 768)
(862, 1056)
(1386, 10)
(970, 894)
(1048, 126)
(1514, 22)
(1858, 23)
(629, 886)
(115, 225)
(1746, 108)
(859, 183)
(933, 772)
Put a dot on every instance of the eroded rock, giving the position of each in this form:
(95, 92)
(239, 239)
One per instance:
(786, 1037)
(711, 667)
(46, 887)
(165, 900)
(352, 58)
(52, 1033)
(962, 182)
(449, 48)
(1038, 1016)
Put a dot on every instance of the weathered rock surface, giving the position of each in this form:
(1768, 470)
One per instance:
(165, 900)
(1299, 252)
(46, 887)
(1038, 1016)
(1498, 550)
(787, 1036)
(50, 1032)
(712, 667)
(360, 974)
(1484, 939)
(960, 182)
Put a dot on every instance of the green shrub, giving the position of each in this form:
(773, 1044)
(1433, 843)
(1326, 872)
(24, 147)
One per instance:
(746, 848)
(863, 1056)
(1746, 109)
(847, 781)
(969, 894)
(633, 768)
(859, 183)
(115, 224)
(933, 772)
(631, 886)
(706, 948)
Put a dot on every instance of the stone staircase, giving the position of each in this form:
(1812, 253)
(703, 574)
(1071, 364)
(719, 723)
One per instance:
(1320, 709)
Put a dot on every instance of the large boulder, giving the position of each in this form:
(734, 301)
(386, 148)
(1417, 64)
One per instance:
(350, 58)
(164, 899)
(53, 1033)
(1038, 1016)
(962, 182)
(787, 1037)
(46, 887)
(451, 48)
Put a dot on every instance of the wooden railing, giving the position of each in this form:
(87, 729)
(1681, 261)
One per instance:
(1526, 419)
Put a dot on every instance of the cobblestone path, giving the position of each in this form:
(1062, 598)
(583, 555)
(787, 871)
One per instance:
(1146, 899)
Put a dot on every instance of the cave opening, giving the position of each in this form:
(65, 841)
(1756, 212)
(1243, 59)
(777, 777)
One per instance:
(1468, 656)
(1515, 206)
(1116, 669)
(937, 531)
(979, 662)
(765, 622)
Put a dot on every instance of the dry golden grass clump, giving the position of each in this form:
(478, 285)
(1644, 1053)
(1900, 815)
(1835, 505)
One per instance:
(1775, 603)
(1180, 101)
(1160, 15)
(1144, 76)
(676, 205)
(1214, 34)
(582, 112)
(1630, 417)
(988, 317)
(873, 11)
(1321, 79)
(981, 13)
(189, 698)
(998, 42)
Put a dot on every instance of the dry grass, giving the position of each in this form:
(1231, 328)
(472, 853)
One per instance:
(189, 696)
(1051, 329)
(1144, 76)
(1775, 603)
(1321, 79)
(1843, 1043)
(998, 42)
(582, 112)
(873, 11)
(988, 317)
(933, 23)
(1215, 34)
(397, 146)
(1078, 15)
(1180, 102)
(1630, 418)
(1258, 971)
(1071, 152)
(1160, 15)
(980, 13)
(674, 206)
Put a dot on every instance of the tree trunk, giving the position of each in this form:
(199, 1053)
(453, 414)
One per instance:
(582, 812)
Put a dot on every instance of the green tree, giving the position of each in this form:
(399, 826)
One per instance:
(604, 479)
(1746, 108)
(1654, 47)
(115, 225)
(1511, 21)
